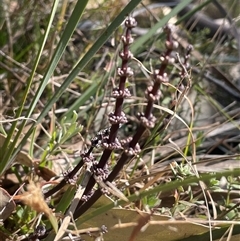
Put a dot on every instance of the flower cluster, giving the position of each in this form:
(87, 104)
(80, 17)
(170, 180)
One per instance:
(107, 139)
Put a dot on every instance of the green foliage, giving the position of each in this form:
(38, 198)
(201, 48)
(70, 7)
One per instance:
(151, 201)
(66, 130)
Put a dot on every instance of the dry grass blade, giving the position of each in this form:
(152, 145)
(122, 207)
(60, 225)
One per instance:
(69, 215)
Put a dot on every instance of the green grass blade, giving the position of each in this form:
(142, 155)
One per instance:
(73, 21)
(192, 12)
(70, 27)
(90, 91)
(137, 46)
(86, 95)
(4, 164)
(88, 56)
(82, 63)
(82, 99)
(160, 188)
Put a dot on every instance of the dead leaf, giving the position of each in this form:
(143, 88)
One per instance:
(120, 224)
(7, 205)
(33, 197)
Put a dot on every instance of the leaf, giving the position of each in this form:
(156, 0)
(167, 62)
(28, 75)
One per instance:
(33, 198)
(168, 231)
(184, 230)
(217, 235)
(24, 159)
(120, 224)
(7, 205)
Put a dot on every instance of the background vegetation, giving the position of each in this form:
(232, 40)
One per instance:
(58, 69)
